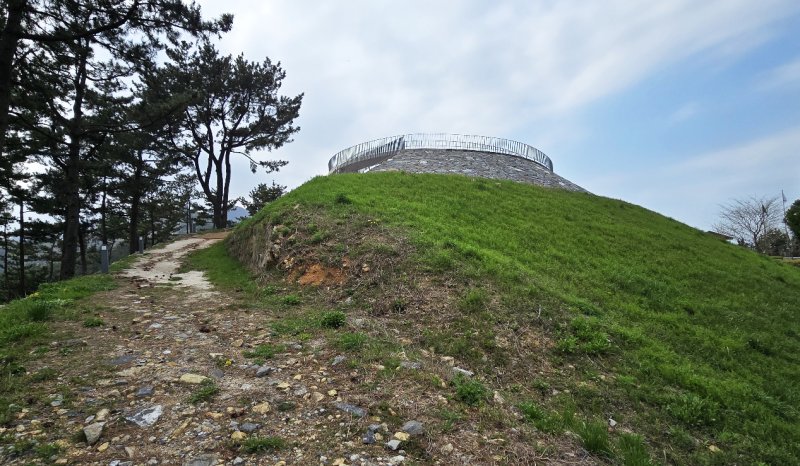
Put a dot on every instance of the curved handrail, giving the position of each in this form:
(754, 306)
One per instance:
(360, 155)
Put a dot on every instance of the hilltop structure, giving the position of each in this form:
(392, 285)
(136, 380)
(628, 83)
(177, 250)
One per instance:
(481, 156)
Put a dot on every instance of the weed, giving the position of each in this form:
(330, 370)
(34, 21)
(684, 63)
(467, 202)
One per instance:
(633, 451)
(291, 300)
(333, 319)
(263, 444)
(399, 305)
(285, 406)
(47, 450)
(594, 437)
(692, 409)
(37, 310)
(469, 391)
(352, 341)
(44, 374)
(474, 301)
(265, 351)
(93, 322)
(205, 392)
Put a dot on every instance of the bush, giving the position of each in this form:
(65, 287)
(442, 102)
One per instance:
(333, 319)
(469, 391)
(93, 322)
(263, 444)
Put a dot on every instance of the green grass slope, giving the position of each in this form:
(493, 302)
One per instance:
(688, 341)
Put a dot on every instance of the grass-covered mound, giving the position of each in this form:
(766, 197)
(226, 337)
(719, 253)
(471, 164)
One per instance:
(683, 339)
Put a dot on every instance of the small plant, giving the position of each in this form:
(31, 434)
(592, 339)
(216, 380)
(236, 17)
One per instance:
(550, 423)
(38, 310)
(269, 290)
(633, 450)
(585, 336)
(263, 444)
(352, 341)
(206, 391)
(285, 406)
(90, 322)
(594, 436)
(47, 450)
(693, 410)
(342, 198)
(399, 305)
(469, 391)
(263, 351)
(474, 301)
(333, 319)
(291, 300)
(44, 374)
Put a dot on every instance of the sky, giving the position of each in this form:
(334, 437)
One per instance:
(677, 106)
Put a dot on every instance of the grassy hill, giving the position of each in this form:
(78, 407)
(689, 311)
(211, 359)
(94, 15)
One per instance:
(574, 308)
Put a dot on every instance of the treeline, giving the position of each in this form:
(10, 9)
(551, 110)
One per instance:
(117, 119)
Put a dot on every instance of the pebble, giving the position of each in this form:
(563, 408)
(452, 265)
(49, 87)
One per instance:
(338, 360)
(145, 391)
(413, 428)
(393, 444)
(351, 409)
(261, 408)
(612, 422)
(202, 460)
(146, 417)
(264, 371)
(249, 427)
(464, 372)
(447, 448)
(93, 432)
(217, 373)
(369, 438)
(193, 378)
(410, 365)
(397, 459)
(238, 435)
(402, 436)
(103, 447)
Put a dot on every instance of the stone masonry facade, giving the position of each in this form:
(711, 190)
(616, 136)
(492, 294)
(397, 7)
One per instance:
(472, 163)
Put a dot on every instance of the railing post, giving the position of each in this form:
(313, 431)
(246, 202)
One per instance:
(104, 259)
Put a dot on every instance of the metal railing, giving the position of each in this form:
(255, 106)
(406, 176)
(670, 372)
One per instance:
(369, 153)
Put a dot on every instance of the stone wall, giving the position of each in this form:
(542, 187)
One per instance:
(471, 163)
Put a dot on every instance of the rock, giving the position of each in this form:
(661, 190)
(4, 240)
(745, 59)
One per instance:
(498, 398)
(130, 451)
(413, 428)
(283, 386)
(612, 422)
(317, 397)
(393, 444)
(302, 391)
(103, 447)
(237, 461)
(237, 343)
(202, 460)
(146, 417)
(93, 432)
(402, 436)
(238, 435)
(351, 409)
(121, 360)
(217, 373)
(464, 372)
(377, 428)
(332, 392)
(447, 448)
(410, 365)
(193, 378)
(249, 427)
(145, 391)
(369, 438)
(714, 449)
(261, 408)
(396, 459)
(264, 371)
(338, 360)
(448, 360)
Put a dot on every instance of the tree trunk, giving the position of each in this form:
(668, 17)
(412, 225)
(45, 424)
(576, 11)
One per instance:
(21, 249)
(72, 217)
(82, 247)
(136, 199)
(9, 39)
(72, 179)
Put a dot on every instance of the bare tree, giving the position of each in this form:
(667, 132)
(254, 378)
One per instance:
(748, 220)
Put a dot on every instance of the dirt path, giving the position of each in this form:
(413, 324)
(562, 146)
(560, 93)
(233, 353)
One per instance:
(183, 374)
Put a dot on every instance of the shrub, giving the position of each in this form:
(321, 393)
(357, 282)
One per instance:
(263, 444)
(37, 310)
(291, 300)
(206, 391)
(333, 319)
(594, 436)
(93, 322)
(469, 391)
(352, 341)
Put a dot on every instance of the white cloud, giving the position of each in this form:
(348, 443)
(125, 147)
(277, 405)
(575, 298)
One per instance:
(786, 75)
(684, 112)
(692, 190)
(372, 68)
